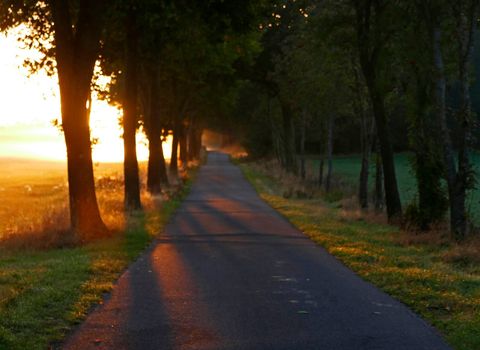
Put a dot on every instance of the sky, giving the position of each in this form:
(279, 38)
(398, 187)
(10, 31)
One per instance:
(28, 104)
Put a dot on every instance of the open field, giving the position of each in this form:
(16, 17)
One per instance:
(436, 278)
(34, 195)
(348, 168)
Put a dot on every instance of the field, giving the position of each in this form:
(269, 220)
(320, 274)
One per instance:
(45, 292)
(348, 169)
(34, 196)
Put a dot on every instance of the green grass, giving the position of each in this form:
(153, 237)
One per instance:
(445, 294)
(348, 168)
(43, 294)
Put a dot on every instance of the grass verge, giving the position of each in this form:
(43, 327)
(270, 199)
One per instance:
(43, 294)
(444, 291)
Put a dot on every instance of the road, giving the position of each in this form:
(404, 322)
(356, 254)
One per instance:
(229, 272)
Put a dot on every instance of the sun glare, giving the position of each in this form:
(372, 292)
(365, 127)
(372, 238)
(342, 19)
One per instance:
(30, 104)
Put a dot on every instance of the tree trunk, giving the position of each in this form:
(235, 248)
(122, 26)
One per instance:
(182, 140)
(288, 137)
(328, 180)
(303, 128)
(85, 216)
(76, 53)
(466, 13)
(174, 153)
(157, 171)
(364, 173)
(379, 197)
(369, 15)
(130, 119)
(366, 132)
(154, 178)
(366, 145)
(191, 139)
(392, 196)
(194, 141)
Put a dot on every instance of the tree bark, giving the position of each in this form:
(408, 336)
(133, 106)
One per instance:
(156, 171)
(130, 116)
(392, 196)
(154, 180)
(448, 156)
(328, 180)
(379, 197)
(363, 184)
(182, 140)
(366, 134)
(174, 153)
(76, 53)
(288, 137)
(303, 131)
(194, 140)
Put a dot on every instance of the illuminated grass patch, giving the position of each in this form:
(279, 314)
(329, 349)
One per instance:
(446, 294)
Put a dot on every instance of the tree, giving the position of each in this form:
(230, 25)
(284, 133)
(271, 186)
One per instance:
(373, 21)
(130, 107)
(458, 173)
(73, 30)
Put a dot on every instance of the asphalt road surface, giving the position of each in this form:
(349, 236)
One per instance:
(231, 273)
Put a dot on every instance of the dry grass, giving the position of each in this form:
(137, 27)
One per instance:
(34, 210)
(289, 185)
(278, 182)
(467, 253)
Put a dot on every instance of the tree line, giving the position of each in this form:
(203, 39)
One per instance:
(171, 64)
(371, 76)
(289, 77)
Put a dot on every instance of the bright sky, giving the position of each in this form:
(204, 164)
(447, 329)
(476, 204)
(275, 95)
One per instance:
(29, 104)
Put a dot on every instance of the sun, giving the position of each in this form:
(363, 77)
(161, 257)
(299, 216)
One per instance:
(31, 103)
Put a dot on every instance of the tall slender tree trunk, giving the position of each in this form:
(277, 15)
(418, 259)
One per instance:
(191, 139)
(456, 216)
(76, 53)
(174, 153)
(379, 196)
(182, 140)
(288, 137)
(366, 145)
(320, 171)
(303, 131)
(130, 118)
(328, 180)
(366, 132)
(364, 174)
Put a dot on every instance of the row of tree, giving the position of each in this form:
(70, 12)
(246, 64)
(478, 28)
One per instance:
(372, 72)
(295, 76)
(171, 67)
